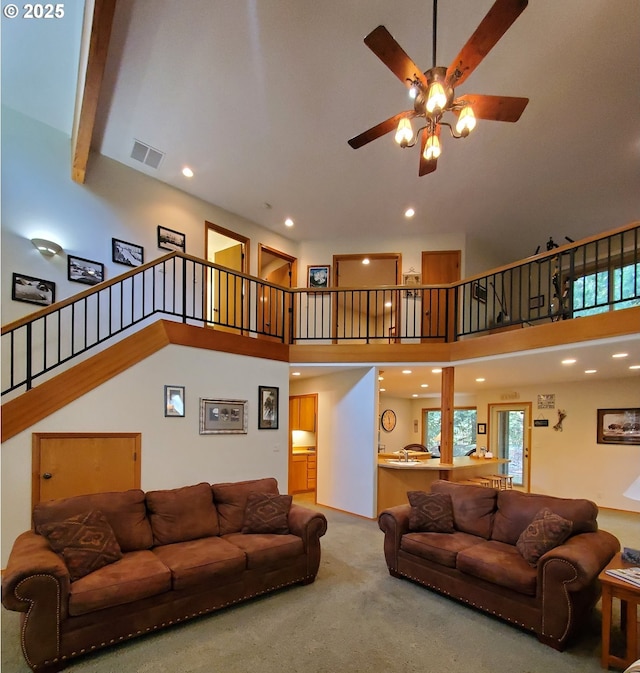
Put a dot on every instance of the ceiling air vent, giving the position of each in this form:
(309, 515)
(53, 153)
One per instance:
(146, 154)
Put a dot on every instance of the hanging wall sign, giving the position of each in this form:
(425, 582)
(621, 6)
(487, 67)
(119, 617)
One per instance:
(541, 423)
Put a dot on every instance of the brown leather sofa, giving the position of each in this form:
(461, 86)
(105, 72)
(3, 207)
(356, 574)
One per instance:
(479, 563)
(183, 554)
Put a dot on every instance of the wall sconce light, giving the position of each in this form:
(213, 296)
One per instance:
(48, 248)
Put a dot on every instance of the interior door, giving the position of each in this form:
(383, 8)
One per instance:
(68, 464)
(280, 269)
(510, 438)
(227, 289)
(439, 267)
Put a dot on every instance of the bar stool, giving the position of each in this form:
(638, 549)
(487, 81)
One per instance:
(505, 481)
(487, 482)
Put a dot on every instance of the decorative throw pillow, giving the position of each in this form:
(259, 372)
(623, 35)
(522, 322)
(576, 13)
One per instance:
(86, 542)
(546, 531)
(430, 512)
(267, 513)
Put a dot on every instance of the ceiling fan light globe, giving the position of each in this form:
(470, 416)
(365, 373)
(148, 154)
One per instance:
(404, 132)
(432, 148)
(466, 121)
(436, 98)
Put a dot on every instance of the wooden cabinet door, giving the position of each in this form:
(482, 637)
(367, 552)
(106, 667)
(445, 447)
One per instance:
(294, 413)
(311, 473)
(307, 420)
(298, 476)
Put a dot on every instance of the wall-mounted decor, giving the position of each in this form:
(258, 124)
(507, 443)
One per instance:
(540, 422)
(547, 401)
(411, 278)
(619, 426)
(318, 276)
(33, 290)
(223, 417)
(84, 271)
(174, 401)
(479, 292)
(129, 254)
(536, 302)
(481, 429)
(268, 408)
(168, 239)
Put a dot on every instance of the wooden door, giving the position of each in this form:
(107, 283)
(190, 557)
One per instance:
(68, 464)
(227, 289)
(273, 308)
(439, 267)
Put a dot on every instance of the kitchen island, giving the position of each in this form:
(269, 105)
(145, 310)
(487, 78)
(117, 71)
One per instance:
(396, 477)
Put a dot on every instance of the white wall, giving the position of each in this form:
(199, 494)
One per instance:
(571, 463)
(173, 452)
(346, 452)
(403, 433)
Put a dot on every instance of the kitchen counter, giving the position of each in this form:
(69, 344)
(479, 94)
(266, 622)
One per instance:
(303, 452)
(396, 478)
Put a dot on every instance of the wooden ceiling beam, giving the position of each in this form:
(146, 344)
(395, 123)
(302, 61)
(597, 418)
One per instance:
(87, 101)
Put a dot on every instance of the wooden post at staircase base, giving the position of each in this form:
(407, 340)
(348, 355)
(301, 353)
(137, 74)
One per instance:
(446, 417)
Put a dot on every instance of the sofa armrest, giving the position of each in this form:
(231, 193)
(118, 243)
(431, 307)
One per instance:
(310, 526)
(567, 582)
(394, 522)
(31, 556)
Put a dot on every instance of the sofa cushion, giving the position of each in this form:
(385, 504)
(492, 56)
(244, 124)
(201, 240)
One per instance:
(231, 500)
(266, 550)
(124, 510)
(137, 575)
(545, 532)
(200, 562)
(430, 512)
(267, 513)
(516, 510)
(500, 564)
(86, 542)
(440, 548)
(473, 506)
(180, 514)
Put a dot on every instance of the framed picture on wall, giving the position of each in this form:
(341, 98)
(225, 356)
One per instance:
(318, 276)
(174, 401)
(479, 292)
(223, 417)
(481, 429)
(32, 290)
(168, 239)
(619, 426)
(268, 407)
(85, 271)
(125, 253)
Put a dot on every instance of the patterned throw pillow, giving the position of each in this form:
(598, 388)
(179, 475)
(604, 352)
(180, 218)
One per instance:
(546, 531)
(86, 542)
(430, 512)
(267, 513)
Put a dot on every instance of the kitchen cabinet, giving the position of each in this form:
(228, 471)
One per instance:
(298, 476)
(302, 412)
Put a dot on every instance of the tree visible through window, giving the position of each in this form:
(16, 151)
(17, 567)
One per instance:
(464, 430)
(607, 290)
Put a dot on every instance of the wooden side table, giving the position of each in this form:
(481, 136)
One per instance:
(629, 597)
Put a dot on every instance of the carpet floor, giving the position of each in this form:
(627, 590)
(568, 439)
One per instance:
(354, 618)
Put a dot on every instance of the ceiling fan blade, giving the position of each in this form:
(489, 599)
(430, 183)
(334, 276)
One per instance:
(495, 108)
(382, 44)
(429, 166)
(380, 129)
(494, 25)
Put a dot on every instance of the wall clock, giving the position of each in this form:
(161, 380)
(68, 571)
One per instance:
(388, 420)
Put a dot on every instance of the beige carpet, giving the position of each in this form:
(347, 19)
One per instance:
(354, 618)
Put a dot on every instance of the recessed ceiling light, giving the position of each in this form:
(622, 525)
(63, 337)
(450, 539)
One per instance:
(620, 355)
(288, 222)
(590, 371)
(634, 367)
(365, 260)
(409, 212)
(480, 380)
(388, 304)
(382, 390)
(569, 361)
(295, 373)
(380, 378)
(437, 370)
(406, 371)
(424, 385)
(414, 395)
(187, 172)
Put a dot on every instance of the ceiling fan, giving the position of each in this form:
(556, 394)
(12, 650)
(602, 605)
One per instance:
(433, 91)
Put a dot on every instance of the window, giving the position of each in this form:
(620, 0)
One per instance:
(464, 430)
(607, 290)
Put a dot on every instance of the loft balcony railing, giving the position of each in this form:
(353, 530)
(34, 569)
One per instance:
(591, 276)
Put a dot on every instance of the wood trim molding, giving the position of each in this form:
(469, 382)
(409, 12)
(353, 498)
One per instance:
(87, 103)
